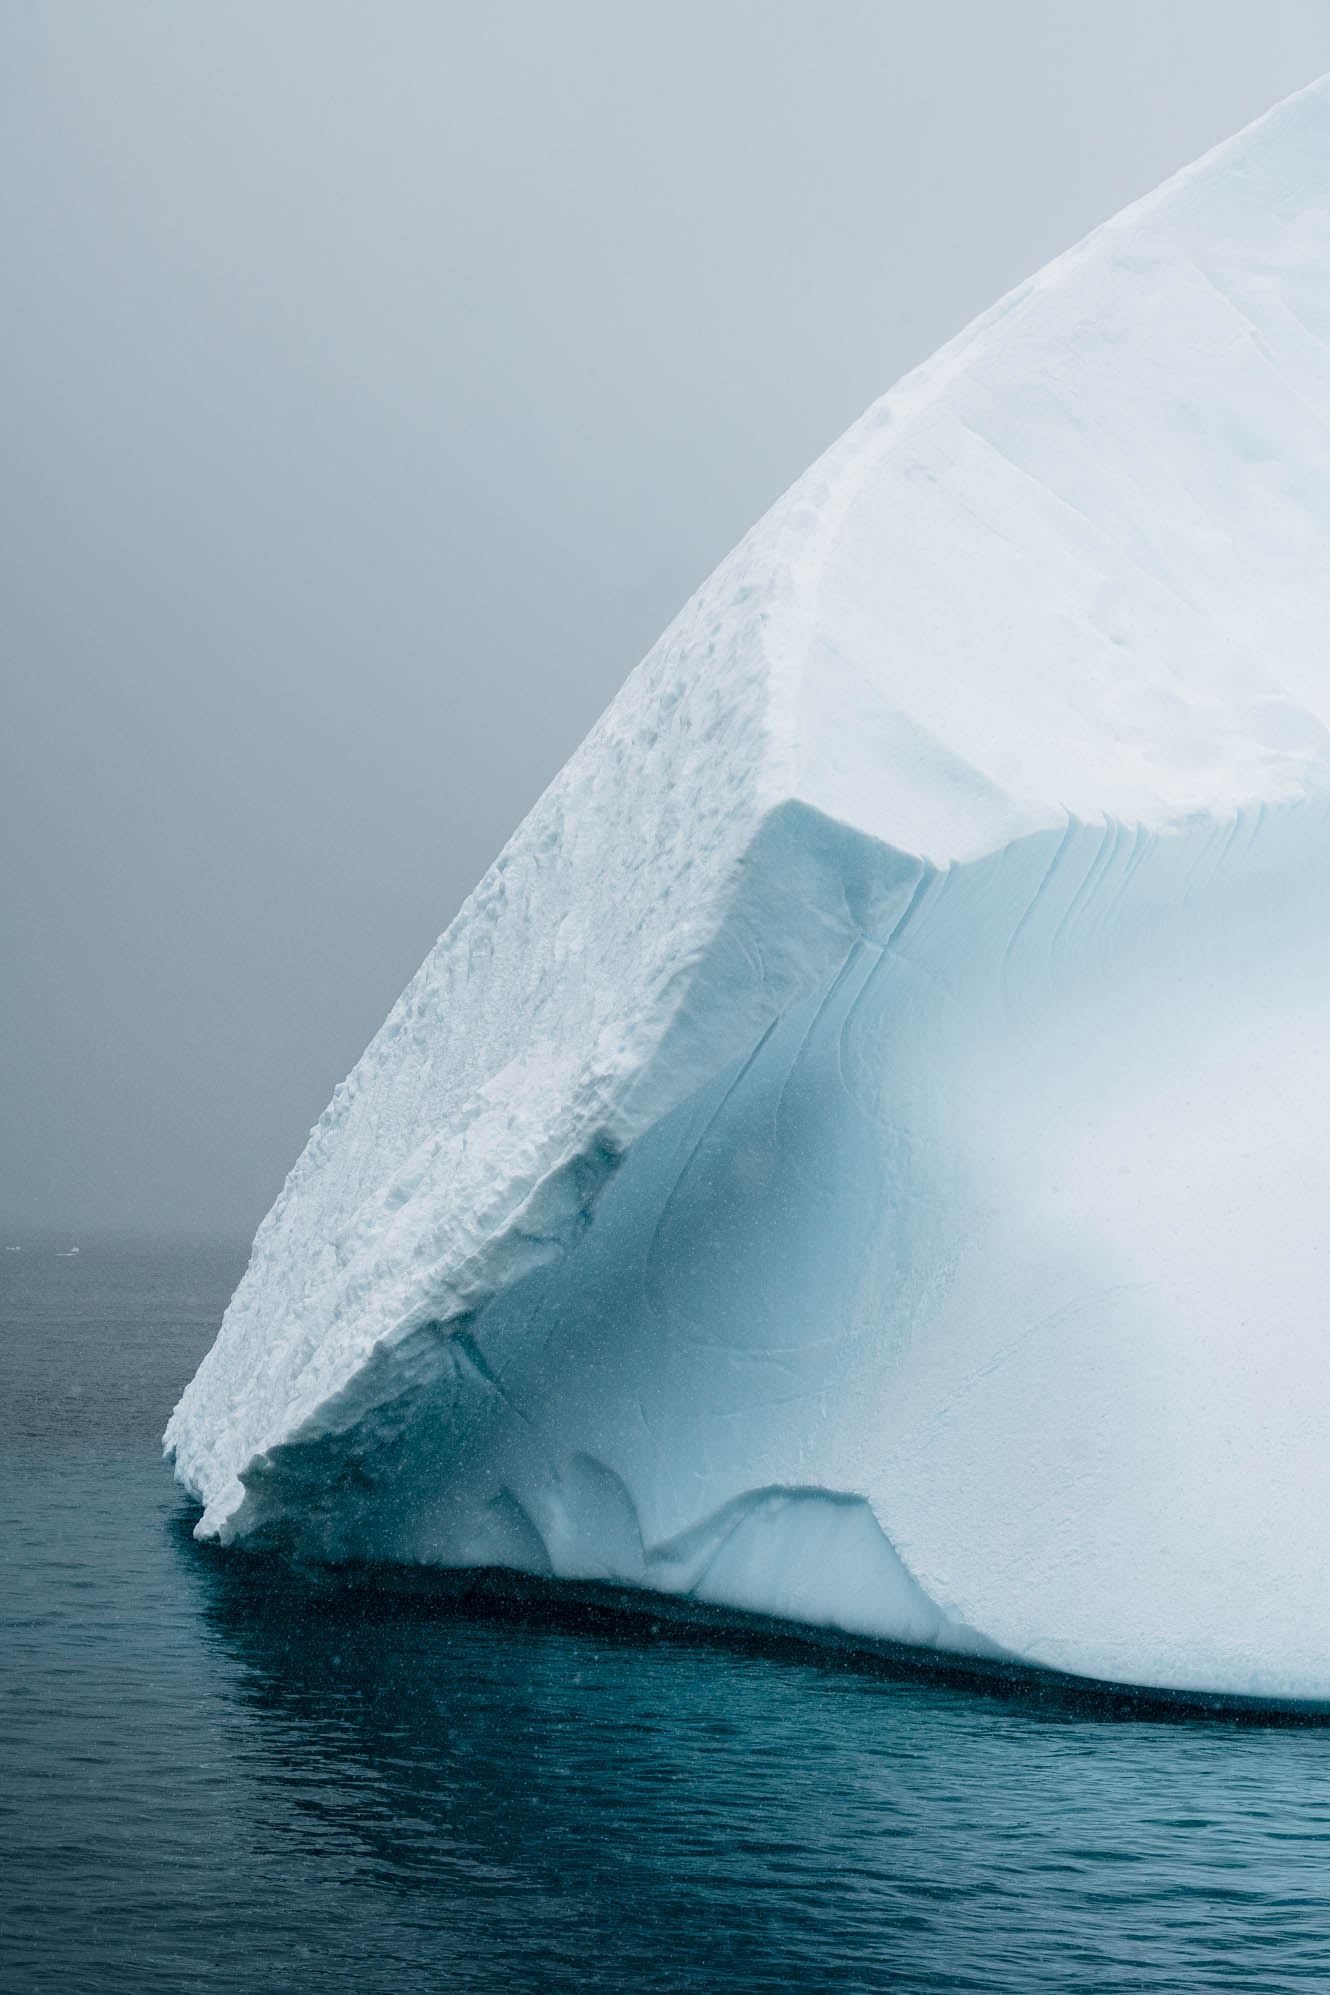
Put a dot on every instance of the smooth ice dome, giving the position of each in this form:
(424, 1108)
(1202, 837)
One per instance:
(860, 1154)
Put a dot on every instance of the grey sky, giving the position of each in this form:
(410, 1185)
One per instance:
(376, 380)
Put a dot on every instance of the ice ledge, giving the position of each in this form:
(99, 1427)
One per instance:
(876, 1325)
(803, 890)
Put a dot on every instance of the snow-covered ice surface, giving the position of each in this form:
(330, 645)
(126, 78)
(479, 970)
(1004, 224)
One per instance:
(860, 1154)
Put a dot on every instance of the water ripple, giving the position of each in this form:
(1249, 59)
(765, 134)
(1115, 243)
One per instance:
(219, 1773)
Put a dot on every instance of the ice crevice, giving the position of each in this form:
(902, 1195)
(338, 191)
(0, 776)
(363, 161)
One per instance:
(858, 1156)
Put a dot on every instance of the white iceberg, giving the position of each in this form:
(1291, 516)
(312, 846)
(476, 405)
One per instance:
(860, 1155)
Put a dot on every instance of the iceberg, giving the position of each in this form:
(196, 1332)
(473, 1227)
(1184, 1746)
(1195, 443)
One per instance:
(859, 1156)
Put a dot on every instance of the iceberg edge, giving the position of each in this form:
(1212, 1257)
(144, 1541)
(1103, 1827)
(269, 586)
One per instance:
(857, 1157)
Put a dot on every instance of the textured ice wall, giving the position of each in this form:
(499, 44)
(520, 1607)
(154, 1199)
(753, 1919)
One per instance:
(859, 1154)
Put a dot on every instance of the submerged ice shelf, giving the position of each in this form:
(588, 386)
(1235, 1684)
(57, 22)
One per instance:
(859, 1155)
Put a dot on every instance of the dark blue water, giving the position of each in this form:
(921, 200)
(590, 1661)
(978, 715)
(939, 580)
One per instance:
(216, 1774)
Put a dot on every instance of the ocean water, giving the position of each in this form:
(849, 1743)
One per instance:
(218, 1773)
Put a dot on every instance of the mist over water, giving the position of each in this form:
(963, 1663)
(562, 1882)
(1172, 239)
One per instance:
(375, 386)
(221, 1772)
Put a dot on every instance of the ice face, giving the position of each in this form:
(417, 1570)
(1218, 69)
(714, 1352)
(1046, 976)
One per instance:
(858, 1156)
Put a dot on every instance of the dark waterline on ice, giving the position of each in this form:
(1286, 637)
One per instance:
(614, 1612)
(220, 1772)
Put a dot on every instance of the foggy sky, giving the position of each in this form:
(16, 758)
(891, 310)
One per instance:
(376, 381)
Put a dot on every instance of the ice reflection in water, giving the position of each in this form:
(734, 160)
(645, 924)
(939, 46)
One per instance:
(624, 1808)
(221, 1773)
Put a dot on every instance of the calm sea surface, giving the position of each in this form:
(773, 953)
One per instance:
(216, 1774)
